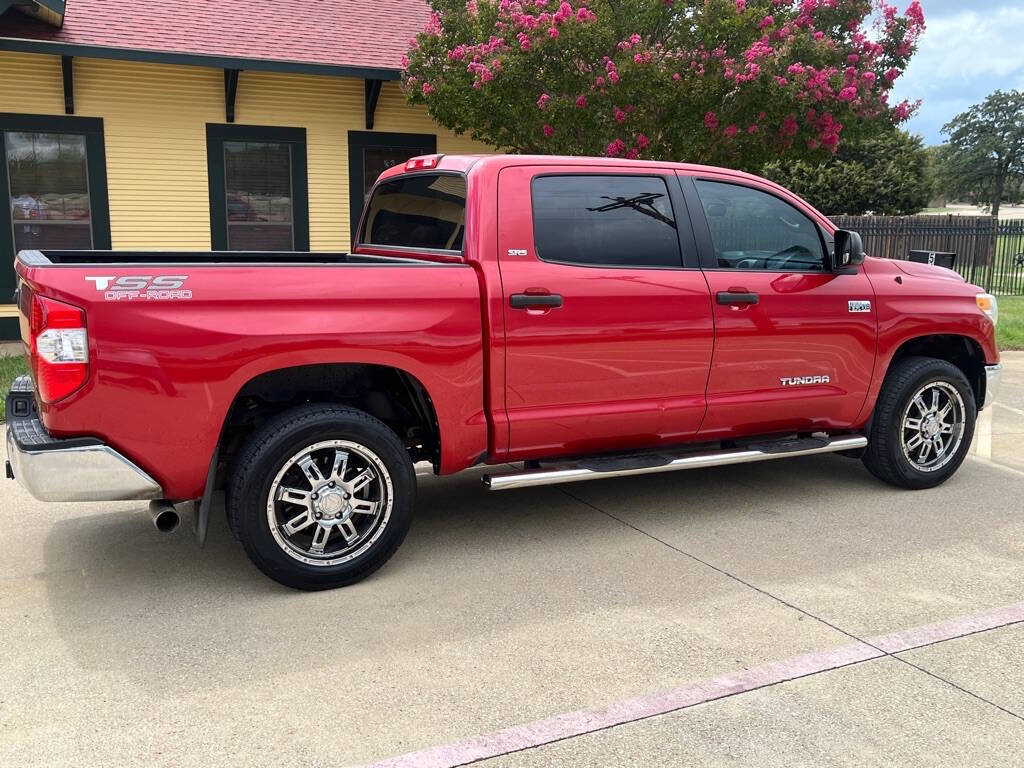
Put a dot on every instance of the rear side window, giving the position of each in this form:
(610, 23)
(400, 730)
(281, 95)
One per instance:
(422, 211)
(608, 221)
(751, 229)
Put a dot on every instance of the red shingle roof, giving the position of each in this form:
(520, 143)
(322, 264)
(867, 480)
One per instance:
(322, 34)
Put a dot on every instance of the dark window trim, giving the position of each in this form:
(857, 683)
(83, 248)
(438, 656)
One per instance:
(360, 140)
(194, 59)
(96, 172)
(709, 262)
(684, 234)
(216, 135)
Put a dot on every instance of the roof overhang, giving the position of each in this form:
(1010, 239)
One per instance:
(24, 45)
(50, 11)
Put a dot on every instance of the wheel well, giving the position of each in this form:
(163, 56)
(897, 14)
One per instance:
(963, 352)
(392, 395)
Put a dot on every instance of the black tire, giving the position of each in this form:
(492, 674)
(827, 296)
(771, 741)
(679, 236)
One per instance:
(885, 456)
(272, 449)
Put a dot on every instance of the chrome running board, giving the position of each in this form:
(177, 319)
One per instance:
(627, 465)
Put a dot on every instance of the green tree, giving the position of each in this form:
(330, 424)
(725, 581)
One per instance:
(886, 174)
(984, 159)
(731, 82)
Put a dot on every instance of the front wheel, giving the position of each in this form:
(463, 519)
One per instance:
(923, 424)
(321, 496)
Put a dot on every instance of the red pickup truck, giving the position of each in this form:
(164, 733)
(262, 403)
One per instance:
(587, 317)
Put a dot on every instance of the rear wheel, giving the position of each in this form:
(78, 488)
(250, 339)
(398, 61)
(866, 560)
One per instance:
(923, 424)
(321, 496)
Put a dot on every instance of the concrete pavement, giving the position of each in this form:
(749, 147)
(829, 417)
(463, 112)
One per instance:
(124, 647)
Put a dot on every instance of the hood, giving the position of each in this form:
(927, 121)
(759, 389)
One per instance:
(915, 269)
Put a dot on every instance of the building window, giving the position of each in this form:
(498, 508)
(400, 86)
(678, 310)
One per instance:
(370, 153)
(258, 199)
(53, 188)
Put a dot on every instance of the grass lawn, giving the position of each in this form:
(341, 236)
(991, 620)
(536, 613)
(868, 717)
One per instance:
(1010, 331)
(10, 368)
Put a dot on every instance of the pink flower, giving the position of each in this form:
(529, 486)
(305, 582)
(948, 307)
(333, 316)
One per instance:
(613, 77)
(642, 141)
(471, 7)
(789, 126)
(433, 26)
(599, 82)
(812, 144)
(848, 94)
(752, 130)
(730, 131)
(638, 59)
(632, 154)
(548, 131)
(427, 89)
(741, 6)
(620, 116)
(891, 74)
(767, 21)
(485, 75)
(552, 32)
(581, 101)
(783, 82)
(676, 77)
(524, 41)
(818, 35)
(711, 121)
(543, 101)
(853, 58)
(615, 148)
(585, 14)
(868, 77)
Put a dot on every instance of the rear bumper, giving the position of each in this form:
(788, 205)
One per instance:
(77, 469)
(993, 373)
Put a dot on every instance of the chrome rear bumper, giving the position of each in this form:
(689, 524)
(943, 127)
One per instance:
(992, 375)
(77, 469)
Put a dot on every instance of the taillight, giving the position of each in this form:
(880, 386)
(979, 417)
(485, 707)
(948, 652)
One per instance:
(59, 348)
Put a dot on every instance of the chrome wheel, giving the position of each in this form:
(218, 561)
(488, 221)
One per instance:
(329, 502)
(932, 426)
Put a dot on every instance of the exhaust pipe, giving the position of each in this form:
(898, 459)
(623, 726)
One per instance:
(165, 516)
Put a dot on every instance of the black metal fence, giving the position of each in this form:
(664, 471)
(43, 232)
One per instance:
(989, 252)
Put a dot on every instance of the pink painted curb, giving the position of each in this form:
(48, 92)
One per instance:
(570, 724)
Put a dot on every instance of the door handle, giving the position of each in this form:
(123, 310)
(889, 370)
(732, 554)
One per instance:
(730, 297)
(534, 300)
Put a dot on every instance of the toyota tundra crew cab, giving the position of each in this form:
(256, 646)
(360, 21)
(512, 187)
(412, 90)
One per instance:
(587, 317)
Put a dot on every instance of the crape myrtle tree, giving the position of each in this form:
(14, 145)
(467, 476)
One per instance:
(727, 82)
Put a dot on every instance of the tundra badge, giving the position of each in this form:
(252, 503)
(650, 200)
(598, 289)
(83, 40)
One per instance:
(795, 381)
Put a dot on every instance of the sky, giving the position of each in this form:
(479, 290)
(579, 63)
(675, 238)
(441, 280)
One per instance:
(969, 49)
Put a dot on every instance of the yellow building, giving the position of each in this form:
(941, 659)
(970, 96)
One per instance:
(189, 125)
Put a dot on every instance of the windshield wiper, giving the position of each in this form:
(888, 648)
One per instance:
(641, 203)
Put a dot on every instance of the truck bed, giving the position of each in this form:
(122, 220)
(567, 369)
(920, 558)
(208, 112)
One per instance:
(175, 336)
(55, 258)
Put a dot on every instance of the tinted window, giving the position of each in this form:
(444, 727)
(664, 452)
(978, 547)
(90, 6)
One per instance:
(754, 230)
(423, 211)
(621, 221)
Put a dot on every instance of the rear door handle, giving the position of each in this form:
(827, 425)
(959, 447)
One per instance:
(729, 297)
(534, 300)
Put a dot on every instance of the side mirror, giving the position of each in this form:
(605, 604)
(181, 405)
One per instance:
(848, 251)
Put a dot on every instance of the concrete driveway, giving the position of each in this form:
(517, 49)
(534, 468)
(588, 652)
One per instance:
(790, 613)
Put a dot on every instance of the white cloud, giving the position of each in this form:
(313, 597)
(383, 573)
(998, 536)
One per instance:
(962, 58)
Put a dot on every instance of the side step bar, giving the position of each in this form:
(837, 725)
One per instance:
(625, 466)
